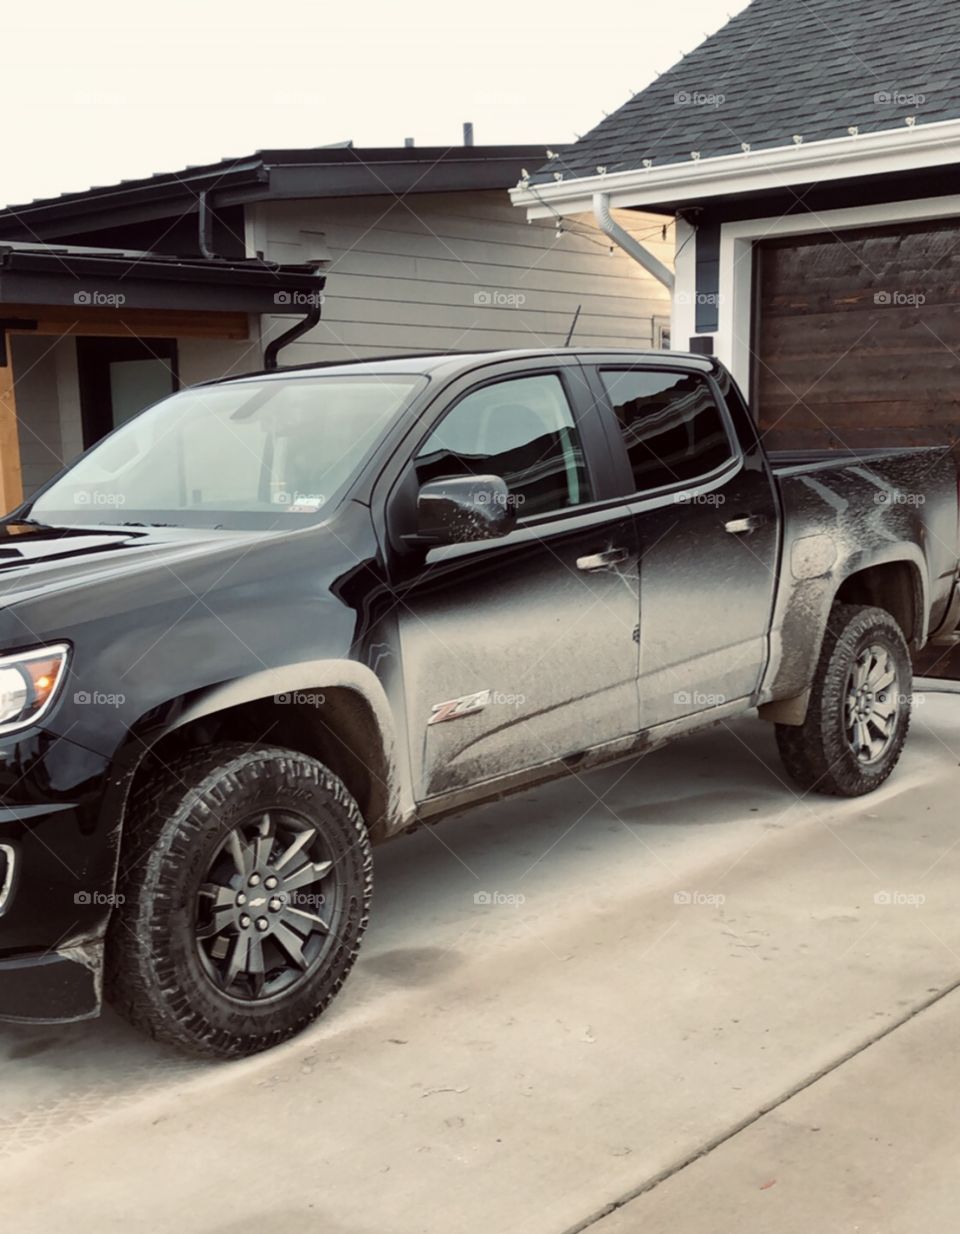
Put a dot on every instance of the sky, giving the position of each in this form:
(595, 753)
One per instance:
(108, 90)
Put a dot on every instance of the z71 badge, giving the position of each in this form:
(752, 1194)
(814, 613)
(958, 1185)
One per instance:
(458, 707)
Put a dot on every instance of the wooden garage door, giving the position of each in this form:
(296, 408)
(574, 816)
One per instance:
(857, 337)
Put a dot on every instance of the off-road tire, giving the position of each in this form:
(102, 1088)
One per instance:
(817, 754)
(154, 977)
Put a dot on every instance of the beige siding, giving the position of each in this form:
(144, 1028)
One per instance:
(38, 407)
(207, 359)
(460, 271)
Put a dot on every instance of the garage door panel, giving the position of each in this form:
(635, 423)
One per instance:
(930, 330)
(868, 371)
(830, 303)
(905, 254)
(817, 426)
(864, 328)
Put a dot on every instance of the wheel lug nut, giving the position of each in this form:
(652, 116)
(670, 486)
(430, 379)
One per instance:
(253, 880)
(244, 921)
(262, 923)
(270, 882)
(241, 899)
(276, 905)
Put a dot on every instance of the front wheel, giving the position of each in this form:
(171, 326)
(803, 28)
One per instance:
(859, 710)
(244, 892)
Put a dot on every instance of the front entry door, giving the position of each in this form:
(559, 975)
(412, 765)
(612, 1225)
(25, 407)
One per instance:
(119, 377)
(520, 651)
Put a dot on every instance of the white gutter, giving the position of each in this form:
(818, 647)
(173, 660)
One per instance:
(910, 148)
(601, 212)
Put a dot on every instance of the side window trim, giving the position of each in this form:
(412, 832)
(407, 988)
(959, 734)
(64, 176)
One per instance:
(615, 437)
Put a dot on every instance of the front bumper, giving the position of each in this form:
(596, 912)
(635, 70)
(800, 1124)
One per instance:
(58, 850)
(54, 987)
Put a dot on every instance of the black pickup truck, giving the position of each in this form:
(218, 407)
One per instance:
(274, 620)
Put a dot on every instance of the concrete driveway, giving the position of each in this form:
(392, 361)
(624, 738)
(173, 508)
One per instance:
(671, 995)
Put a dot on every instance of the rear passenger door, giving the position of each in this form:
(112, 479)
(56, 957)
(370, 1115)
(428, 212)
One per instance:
(706, 518)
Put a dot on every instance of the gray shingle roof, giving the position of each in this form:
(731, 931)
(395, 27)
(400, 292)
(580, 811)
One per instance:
(786, 67)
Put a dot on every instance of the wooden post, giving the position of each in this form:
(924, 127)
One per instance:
(11, 481)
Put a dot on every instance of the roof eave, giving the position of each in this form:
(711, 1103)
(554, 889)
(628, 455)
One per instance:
(89, 279)
(273, 174)
(909, 148)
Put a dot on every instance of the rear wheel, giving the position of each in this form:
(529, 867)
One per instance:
(859, 711)
(244, 893)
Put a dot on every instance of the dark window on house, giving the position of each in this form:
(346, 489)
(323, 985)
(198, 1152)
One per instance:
(671, 426)
(119, 377)
(521, 430)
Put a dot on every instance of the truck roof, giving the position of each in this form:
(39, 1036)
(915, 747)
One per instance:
(451, 363)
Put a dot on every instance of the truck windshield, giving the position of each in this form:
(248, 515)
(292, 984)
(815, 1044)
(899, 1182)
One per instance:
(257, 454)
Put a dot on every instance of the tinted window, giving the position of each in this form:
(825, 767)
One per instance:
(671, 425)
(522, 430)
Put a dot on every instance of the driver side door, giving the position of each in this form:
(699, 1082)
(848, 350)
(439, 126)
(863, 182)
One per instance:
(519, 652)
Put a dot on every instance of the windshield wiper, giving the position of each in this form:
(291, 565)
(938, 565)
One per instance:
(130, 523)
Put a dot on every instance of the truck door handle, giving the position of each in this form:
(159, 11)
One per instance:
(602, 561)
(744, 526)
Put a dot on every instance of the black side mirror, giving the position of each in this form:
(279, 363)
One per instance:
(464, 508)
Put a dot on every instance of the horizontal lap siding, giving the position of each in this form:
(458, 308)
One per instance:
(858, 338)
(461, 271)
(38, 409)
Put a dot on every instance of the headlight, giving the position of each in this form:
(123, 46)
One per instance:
(28, 684)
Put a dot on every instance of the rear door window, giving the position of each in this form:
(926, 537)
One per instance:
(670, 424)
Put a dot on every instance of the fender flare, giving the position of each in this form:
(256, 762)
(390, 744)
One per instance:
(786, 690)
(901, 553)
(301, 676)
(307, 676)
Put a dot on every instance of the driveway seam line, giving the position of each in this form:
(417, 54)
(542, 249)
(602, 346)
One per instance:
(724, 1136)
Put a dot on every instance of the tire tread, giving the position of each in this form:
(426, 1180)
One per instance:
(810, 753)
(140, 982)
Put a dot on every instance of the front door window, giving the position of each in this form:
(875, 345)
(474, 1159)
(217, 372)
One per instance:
(521, 430)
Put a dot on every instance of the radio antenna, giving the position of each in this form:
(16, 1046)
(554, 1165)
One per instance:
(573, 325)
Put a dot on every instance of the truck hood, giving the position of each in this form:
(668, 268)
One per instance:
(155, 614)
(37, 559)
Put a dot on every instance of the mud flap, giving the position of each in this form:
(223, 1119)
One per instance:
(792, 711)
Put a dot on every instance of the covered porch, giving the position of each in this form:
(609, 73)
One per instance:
(89, 337)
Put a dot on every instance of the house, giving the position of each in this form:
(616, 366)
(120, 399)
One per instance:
(810, 154)
(114, 297)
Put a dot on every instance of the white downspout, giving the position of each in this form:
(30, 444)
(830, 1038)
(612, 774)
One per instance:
(601, 212)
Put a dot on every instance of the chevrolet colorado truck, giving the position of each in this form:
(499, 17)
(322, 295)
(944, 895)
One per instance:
(274, 620)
